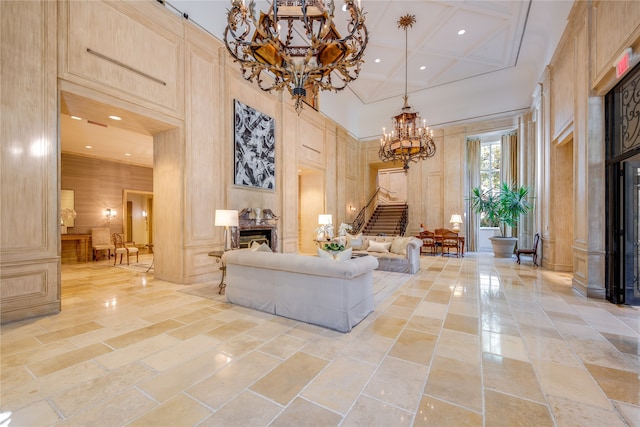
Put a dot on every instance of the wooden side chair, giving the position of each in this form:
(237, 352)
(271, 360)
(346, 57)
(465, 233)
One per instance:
(450, 241)
(123, 248)
(533, 251)
(428, 241)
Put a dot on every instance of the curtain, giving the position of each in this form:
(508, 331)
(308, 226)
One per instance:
(509, 167)
(473, 178)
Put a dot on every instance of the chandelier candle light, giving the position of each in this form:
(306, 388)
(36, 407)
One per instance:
(296, 45)
(410, 140)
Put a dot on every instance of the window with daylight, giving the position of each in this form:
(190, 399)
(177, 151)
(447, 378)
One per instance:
(490, 161)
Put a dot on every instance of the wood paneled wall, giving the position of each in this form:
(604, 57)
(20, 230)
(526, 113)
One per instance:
(99, 184)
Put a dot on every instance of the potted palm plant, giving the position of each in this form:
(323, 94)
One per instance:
(502, 206)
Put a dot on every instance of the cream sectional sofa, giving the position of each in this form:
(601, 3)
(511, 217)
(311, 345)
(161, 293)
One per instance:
(334, 294)
(402, 254)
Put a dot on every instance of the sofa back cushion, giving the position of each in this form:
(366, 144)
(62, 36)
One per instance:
(399, 245)
(355, 241)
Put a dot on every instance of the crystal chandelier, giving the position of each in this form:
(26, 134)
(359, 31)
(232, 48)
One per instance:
(410, 140)
(296, 45)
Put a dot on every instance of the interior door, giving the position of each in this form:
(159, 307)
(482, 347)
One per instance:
(631, 234)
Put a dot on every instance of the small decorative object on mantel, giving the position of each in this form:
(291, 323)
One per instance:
(65, 215)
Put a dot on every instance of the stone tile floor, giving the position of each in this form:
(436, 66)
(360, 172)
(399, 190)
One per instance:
(474, 341)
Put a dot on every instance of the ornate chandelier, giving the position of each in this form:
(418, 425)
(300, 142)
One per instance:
(410, 140)
(296, 45)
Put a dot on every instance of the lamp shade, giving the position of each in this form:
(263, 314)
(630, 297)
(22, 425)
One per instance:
(455, 218)
(226, 218)
(324, 219)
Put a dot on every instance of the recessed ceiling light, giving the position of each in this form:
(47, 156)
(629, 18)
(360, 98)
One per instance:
(88, 146)
(377, 60)
(344, 7)
(461, 32)
(115, 118)
(127, 154)
(424, 67)
(76, 118)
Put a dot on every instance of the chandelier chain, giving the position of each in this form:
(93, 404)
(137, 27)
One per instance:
(409, 141)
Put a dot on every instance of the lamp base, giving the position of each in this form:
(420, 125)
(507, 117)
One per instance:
(456, 227)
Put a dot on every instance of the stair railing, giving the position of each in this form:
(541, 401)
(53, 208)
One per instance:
(404, 220)
(380, 196)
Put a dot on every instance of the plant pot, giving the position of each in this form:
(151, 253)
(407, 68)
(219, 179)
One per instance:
(503, 247)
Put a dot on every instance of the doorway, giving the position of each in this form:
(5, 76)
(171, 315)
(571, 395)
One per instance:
(138, 224)
(622, 275)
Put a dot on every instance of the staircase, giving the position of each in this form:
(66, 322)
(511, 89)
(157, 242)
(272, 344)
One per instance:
(389, 220)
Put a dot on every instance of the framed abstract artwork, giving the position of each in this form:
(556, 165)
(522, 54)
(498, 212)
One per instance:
(254, 148)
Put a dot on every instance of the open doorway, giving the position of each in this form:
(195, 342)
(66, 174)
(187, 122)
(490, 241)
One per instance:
(138, 220)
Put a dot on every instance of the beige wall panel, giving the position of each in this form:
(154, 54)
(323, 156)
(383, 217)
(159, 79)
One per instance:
(454, 176)
(149, 69)
(331, 197)
(288, 224)
(99, 184)
(204, 153)
(28, 131)
(581, 148)
(168, 205)
(29, 206)
(615, 25)
(311, 142)
(562, 89)
(433, 214)
(199, 266)
(30, 290)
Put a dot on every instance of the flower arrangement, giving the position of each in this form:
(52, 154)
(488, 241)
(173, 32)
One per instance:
(342, 231)
(324, 232)
(66, 214)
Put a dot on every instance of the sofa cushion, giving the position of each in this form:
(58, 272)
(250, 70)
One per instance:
(381, 247)
(399, 245)
(338, 256)
(257, 247)
(355, 242)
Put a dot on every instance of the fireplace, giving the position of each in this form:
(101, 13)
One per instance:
(254, 235)
(256, 225)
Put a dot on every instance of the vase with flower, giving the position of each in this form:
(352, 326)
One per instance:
(65, 215)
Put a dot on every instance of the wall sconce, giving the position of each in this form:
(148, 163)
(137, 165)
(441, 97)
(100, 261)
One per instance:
(110, 214)
(352, 208)
(226, 218)
(456, 220)
(146, 219)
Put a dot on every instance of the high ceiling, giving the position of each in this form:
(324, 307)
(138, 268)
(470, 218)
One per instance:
(489, 71)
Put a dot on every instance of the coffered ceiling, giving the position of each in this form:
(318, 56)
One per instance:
(490, 70)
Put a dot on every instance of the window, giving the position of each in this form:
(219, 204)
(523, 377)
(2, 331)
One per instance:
(490, 160)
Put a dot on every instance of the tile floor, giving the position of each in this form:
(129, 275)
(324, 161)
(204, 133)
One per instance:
(473, 341)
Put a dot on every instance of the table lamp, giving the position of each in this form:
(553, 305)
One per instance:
(456, 220)
(226, 218)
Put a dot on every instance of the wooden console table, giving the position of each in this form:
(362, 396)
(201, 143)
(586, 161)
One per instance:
(82, 242)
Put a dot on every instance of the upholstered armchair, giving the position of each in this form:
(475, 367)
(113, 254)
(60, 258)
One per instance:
(101, 241)
(123, 248)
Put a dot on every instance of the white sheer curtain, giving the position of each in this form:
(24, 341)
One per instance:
(473, 178)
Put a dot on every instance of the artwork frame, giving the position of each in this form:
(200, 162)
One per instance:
(254, 148)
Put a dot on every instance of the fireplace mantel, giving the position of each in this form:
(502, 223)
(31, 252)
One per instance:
(251, 219)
